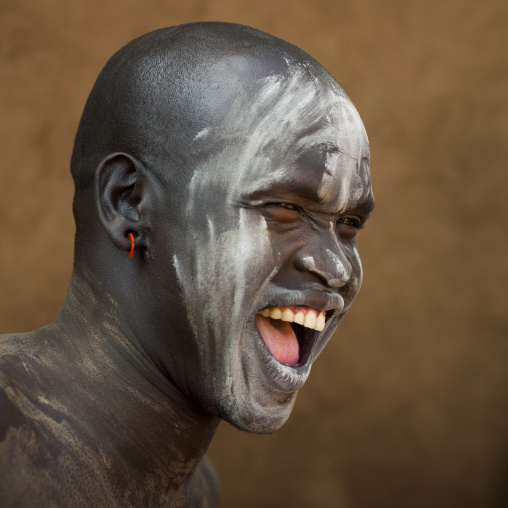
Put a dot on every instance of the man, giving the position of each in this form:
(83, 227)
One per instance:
(221, 178)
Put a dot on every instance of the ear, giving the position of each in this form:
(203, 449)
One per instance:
(123, 200)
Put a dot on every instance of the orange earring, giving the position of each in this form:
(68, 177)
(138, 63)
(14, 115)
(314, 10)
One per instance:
(131, 252)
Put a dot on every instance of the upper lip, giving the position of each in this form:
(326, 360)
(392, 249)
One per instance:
(316, 299)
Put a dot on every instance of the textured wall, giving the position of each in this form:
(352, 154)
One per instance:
(408, 406)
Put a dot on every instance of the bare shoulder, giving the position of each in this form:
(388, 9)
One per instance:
(20, 451)
(14, 375)
(58, 446)
(41, 454)
(21, 385)
(22, 433)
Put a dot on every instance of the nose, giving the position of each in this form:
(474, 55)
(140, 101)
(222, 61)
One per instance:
(326, 260)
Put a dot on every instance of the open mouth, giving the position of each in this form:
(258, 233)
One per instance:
(290, 332)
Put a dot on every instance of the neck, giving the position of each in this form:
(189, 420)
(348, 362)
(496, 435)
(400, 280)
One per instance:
(141, 418)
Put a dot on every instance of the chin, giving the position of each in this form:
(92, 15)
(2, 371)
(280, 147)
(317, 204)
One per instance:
(259, 417)
(255, 389)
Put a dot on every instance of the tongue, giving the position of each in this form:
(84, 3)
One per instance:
(280, 339)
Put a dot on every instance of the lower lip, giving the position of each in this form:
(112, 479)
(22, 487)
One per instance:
(284, 377)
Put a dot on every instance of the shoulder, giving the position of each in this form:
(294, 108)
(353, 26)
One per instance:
(21, 450)
(19, 444)
(44, 459)
(20, 382)
(13, 373)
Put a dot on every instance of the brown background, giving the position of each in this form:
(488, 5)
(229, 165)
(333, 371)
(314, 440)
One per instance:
(408, 406)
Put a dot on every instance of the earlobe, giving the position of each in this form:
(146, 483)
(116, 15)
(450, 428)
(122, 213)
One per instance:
(121, 197)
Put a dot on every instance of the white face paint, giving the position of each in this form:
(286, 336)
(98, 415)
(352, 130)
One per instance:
(238, 256)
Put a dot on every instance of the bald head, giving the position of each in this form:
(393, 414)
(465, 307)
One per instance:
(161, 90)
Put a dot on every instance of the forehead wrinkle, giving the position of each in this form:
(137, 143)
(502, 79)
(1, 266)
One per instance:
(340, 135)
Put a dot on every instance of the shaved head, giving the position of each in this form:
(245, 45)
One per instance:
(162, 89)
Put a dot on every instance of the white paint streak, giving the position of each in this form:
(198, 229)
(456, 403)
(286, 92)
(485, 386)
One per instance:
(227, 258)
(202, 133)
(211, 229)
(309, 263)
(352, 143)
(341, 271)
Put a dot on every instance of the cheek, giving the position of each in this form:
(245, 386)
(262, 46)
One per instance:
(221, 274)
(252, 255)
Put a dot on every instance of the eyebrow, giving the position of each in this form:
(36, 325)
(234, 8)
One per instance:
(302, 190)
(286, 188)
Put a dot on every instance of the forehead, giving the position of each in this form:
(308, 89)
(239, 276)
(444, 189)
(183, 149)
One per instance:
(286, 129)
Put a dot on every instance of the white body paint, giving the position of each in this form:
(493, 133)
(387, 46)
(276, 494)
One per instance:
(202, 133)
(228, 258)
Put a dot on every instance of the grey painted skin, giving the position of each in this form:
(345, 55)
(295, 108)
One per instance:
(242, 170)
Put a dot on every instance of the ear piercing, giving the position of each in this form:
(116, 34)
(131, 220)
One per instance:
(131, 252)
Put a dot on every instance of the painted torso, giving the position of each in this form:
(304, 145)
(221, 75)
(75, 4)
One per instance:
(61, 446)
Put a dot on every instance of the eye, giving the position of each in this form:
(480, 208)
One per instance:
(283, 205)
(354, 222)
(287, 206)
(349, 225)
(283, 212)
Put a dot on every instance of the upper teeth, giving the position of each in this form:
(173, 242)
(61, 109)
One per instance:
(310, 319)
